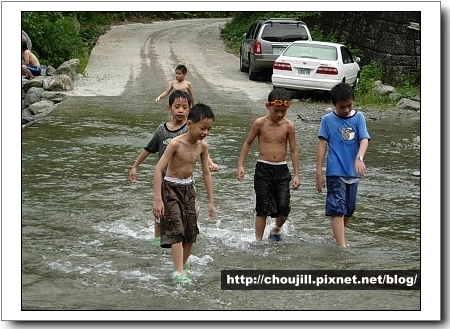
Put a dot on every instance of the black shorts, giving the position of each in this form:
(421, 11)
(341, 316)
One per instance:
(273, 196)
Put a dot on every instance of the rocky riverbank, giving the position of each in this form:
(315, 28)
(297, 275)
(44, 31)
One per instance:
(41, 95)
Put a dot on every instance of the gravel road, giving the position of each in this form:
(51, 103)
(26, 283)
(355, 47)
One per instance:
(119, 54)
(128, 52)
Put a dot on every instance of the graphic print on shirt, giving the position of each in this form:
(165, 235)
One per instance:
(166, 142)
(348, 135)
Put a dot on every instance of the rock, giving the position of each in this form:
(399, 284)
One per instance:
(42, 107)
(54, 96)
(409, 104)
(58, 83)
(36, 82)
(67, 70)
(32, 96)
(394, 96)
(383, 89)
(50, 70)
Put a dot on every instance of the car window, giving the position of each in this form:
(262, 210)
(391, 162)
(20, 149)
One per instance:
(312, 51)
(346, 56)
(284, 32)
(250, 31)
(256, 30)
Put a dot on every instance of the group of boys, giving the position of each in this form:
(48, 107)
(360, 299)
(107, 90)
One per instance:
(180, 142)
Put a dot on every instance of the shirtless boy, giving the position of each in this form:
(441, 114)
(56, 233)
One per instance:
(272, 176)
(178, 84)
(175, 193)
(30, 64)
(179, 105)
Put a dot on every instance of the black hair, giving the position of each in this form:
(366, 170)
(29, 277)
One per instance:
(279, 93)
(199, 112)
(179, 94)
(24, 45)
(341, 92)
(182, 68)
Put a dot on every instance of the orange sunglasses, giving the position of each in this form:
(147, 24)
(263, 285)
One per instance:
(278, 102)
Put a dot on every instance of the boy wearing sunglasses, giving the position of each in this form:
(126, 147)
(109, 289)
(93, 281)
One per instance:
(272, 176)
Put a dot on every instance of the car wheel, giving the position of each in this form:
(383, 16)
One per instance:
(252, 75)
(241, 63)
(358, 79)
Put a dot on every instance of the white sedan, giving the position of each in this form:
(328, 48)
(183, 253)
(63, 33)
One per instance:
(315, 65)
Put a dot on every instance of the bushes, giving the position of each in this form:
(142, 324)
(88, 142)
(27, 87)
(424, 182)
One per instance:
(54, 35)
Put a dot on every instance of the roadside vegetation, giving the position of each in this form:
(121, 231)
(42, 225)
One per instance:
(235, 29)
(60, 36)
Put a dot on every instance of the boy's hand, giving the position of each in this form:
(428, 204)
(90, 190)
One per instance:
(240, 173)
(132, 175)
(157, 100)
(158, 208)
(320, 182)
(213, 167)
(211, 210)
(296, 182)
(360, 167)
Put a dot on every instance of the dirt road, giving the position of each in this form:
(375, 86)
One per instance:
(150, 52)
(120, 54)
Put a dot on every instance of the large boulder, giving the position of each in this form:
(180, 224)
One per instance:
(32, 96)
(36, 82)
(382, 89)
(409, 104)
(59, 82)
(69, 66)
(54, 96)
(67, 70)
(42, 107)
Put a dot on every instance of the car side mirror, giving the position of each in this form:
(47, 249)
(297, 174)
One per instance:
(246, 35)
(356, 59)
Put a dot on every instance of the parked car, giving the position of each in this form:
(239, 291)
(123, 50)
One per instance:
(265, 40)
(315, 65)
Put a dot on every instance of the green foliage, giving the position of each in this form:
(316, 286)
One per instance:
(54, 36)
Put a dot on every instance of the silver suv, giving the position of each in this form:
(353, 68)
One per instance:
(266, 40)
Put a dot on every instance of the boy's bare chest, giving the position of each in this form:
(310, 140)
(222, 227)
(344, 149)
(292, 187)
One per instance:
(273, 134)
(188, 152)
(181, 85)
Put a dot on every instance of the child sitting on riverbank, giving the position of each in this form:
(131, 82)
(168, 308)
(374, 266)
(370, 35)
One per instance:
(30, 64)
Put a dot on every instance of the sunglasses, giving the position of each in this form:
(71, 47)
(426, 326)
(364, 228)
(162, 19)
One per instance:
(278, 102)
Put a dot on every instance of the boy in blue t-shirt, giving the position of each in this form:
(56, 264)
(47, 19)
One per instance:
(344, 132)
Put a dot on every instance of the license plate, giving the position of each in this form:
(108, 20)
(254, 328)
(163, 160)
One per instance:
(304, 71)
(279, 50)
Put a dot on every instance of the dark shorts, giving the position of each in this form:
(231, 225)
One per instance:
(271, 183)
(179, 223)
(341, 197)
(35, 70)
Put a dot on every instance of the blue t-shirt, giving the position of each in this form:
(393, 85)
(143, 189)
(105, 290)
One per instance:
(343, 135)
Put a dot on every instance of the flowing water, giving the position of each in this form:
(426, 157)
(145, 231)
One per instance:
(86, 228)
